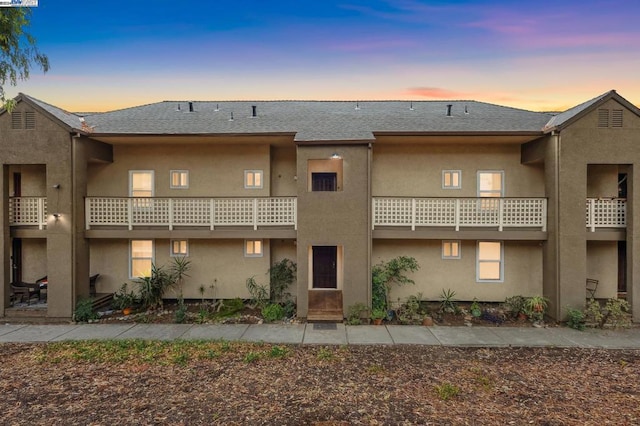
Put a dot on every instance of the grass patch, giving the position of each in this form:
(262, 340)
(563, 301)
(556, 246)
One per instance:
(447, 391)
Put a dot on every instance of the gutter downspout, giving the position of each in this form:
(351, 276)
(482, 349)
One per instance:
(369, 223)
(556, 220)
(74, 257)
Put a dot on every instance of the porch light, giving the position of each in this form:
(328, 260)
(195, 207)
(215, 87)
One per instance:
(56, 216)
(335, 156)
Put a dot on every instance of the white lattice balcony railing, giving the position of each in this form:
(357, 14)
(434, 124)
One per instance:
(28, 211)
(461, 212)
(193, 212)
(606, 213)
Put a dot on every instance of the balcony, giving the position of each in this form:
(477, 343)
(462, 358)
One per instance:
(606, 213)
(28, 211)
(190, 212)
(457, 213)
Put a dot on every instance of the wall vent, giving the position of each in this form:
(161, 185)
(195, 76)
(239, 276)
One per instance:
(603, 117)
(29, 120)
(16, 120)
(616, 118)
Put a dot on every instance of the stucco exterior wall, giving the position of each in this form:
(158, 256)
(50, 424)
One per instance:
(33, 178)
(602, 180)
(406, 170)
(34, 259)
(602, 265)
(217, 263)
(340, 218)
(214, 170)
(522, 270)
(283, 171)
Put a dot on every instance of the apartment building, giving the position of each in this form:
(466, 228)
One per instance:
(492, 201)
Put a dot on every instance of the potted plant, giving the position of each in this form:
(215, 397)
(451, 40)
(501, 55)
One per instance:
(535, 307)
(377, 315)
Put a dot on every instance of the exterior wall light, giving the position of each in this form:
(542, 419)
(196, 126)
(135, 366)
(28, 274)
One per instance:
(335, 156)
(56, 216)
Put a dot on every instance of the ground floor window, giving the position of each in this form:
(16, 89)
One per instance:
(179, 248)
(451, 249)
(490, 261)
(141, 258)
(253, 248)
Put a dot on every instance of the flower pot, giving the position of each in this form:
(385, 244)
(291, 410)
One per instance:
(427, 321)
(127, 311)
(522, 316)
(377, 321)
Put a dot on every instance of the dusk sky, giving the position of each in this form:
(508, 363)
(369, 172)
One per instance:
(538, 55)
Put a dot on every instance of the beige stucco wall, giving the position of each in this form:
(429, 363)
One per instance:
(34, 259)
(33, 178)
(283, 171)
(602, 265)
(582, 145)
(214, 170)
(220, 263)
(602, 180)
(416, 170)
(522, 270)
(340, 218)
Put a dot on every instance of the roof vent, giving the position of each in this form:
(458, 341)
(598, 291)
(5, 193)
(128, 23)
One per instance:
(357, 105)
(217, 108)
(190, 106)
(449, 110)
(178, 108)
(411, 106)
(466, 109)
(231, 118)
(254, 111)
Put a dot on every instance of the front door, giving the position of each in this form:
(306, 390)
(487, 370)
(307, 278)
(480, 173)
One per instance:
(325, 267)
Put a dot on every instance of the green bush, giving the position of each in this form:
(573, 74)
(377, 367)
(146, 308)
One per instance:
(84, 311)
(355, 313)
(385, 274)
(575, 319)
(272, 312)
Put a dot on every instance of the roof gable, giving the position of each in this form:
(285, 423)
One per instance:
(71, 122)
(564, 119)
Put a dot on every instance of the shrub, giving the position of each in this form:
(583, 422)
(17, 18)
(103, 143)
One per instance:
(385, 274)
(448, 303)
(123, 299)
(615, 313)
(281, 275)
(84, 311)
(355, 313)
(272, 312)
(259, 293)
(181, 312)
(575, 319)
(514, 305)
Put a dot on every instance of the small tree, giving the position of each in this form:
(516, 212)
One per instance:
(18, 51)
(386, 274)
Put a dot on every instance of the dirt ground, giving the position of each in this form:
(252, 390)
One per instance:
(253, 384)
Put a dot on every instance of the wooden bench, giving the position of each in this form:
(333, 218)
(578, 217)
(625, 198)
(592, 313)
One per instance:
(592, 286)
(20, 290)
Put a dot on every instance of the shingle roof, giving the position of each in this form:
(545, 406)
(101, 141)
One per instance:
(564, 117)
(317, 120)
(68, 118)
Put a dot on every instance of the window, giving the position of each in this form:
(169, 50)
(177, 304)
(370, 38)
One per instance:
(253, 179)
(179, 179)
(179, 248)
(490, 184)
(141, 258)
(451, 249)
(253, 248)
(141, 183)
(490, 261)
(451, 179)
(326, 181)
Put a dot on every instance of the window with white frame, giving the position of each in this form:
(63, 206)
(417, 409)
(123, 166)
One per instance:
(253, 248)
(141, 258)
(490, 261)
(179, 248)
(179, 179)
(451, 179)
(141, 183)
(253, 179)
(491, 183)
(451, 249)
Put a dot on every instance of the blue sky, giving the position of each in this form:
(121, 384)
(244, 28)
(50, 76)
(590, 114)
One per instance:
(539, 55)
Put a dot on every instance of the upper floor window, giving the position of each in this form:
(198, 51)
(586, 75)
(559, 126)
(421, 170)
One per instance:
(451, 179)
(141, 183)
(253, 179)
(179, 179)
(490, 184)
(324, 181)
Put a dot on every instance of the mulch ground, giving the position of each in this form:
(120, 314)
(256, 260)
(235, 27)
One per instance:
(320, 385)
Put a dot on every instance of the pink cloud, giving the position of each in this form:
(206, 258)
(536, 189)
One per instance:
(434, 93)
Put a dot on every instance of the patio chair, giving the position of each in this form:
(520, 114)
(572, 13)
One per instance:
(592, 286)
(28, 290)
(92, 284)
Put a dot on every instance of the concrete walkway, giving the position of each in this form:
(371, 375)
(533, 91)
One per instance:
(332, 334)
